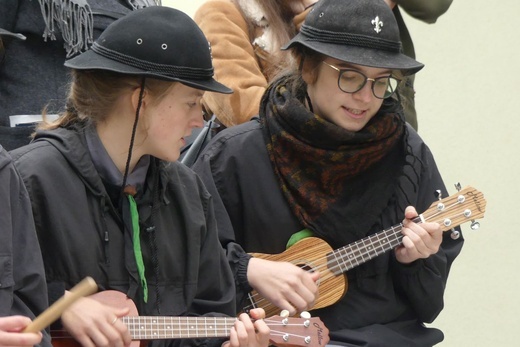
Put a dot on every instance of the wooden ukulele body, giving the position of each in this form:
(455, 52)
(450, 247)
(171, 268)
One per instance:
(310, 254)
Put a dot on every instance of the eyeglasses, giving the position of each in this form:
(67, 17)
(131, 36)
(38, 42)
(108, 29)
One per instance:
(351, 81)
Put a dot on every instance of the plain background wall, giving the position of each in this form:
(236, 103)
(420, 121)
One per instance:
(469, 114)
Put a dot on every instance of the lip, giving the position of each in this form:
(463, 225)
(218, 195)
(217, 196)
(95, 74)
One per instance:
(355, 115)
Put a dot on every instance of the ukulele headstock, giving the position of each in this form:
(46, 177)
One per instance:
(465, 206)
(297, 332)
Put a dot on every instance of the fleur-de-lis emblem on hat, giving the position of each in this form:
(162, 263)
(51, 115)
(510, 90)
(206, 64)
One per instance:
(377, 24)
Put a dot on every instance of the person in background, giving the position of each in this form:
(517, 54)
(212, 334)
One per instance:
(246, 36)
(110, 199)
(32, 75)
(425, 11)
(331, 156)
(23, 291)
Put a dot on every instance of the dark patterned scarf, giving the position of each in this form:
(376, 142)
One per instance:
(333, 179)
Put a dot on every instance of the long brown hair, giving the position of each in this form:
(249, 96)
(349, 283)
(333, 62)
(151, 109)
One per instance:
(93, 94)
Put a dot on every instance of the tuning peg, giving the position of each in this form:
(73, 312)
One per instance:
(305, 315)
(438, 194)
(455, 234)
(474, 225)
(284, 314)
(458, 186)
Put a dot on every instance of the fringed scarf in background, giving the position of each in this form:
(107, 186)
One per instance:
(74, 19)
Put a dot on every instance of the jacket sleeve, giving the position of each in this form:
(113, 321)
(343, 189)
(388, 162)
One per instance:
(214, 264)
(238, 259)
(426, 11)
(23, 290)
(234, 61)
(424, 281)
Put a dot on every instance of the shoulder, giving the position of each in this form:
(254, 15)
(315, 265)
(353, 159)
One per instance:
(415, 141)
(181, 178)
(51, 156)
(236, 139)
(36, 154)
(216, 8)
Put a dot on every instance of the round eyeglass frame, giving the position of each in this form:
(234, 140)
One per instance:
(388, 93)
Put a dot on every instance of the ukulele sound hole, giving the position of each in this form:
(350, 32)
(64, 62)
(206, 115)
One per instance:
(309, 268)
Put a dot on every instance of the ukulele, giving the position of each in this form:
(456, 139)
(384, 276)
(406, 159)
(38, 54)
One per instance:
(286, 332)
(312, 253)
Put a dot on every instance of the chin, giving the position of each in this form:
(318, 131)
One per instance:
(168, 156)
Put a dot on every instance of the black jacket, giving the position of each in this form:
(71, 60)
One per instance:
(386, 302)
(81, 232)
(22, 280)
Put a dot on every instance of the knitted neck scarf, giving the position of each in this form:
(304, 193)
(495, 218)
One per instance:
(330, 176)
(73, 18)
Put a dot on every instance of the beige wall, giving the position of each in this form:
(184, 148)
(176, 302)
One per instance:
(469, 114)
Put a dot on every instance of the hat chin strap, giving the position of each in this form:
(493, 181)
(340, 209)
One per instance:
(134, 129)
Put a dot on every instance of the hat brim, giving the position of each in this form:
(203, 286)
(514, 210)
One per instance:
(359, 55)
(90, 60)
(6, 33)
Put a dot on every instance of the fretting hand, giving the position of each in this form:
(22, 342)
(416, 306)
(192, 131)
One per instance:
(419, 241)
(245, 333)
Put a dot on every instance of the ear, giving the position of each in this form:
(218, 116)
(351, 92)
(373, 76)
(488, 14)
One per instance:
(309, 71)
(135, 98)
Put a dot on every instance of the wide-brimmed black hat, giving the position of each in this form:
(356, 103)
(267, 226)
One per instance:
(362, 32)
(158, 42)
(4, 32)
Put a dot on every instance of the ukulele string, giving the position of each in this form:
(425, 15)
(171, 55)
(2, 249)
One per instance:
(364, 252)
(143, 327)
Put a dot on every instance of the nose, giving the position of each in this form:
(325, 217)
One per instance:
(365, 94)
(197, 119)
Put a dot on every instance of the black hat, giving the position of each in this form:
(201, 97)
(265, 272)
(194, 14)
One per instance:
(4, 32)
(158, 42)
(361, 32)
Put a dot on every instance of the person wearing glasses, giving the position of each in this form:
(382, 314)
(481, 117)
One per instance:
(331, 156)
(246, 36)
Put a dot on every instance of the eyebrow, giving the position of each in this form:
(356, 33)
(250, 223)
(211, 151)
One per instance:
(350, 66)
(196, 93)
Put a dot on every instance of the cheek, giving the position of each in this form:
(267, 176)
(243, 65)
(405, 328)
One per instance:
(163, 121)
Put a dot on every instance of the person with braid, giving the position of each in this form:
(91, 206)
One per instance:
(111, 201)
(331, 156)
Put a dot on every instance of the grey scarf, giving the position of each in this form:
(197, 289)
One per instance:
(74, 19)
